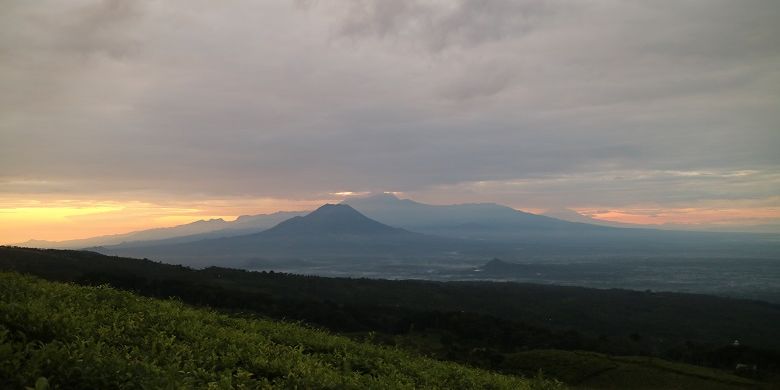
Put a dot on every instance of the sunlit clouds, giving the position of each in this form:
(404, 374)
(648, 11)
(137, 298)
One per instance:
(692, 217)
(56, 220)
(350, 193)
(157, 113)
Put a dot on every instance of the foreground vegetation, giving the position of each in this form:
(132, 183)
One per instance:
(98, 337)
(589, 370)
(441, 320)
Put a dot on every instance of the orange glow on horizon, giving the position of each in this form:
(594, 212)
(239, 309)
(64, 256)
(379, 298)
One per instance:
(686, 216)
(60, 220)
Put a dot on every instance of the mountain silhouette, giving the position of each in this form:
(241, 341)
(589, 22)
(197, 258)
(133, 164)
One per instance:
(333, 230)
(477, 220)
(498, 265)
(332, 219)
(411, 231)
(194, 231)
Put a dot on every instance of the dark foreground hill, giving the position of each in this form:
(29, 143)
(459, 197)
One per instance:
(481, 323)
(71, 337)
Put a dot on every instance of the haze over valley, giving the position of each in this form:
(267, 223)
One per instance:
(391, 194)
(463, 242)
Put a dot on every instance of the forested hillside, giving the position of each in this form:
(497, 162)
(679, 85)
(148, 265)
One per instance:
(446, 320)
(72, 337)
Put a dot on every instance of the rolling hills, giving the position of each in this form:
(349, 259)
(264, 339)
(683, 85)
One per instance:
(489, 325)
(498, 326)
(55, 335)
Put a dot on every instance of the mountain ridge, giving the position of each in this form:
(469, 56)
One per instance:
(332, 219)
(330, 231)
(470, 220)
(503, 231)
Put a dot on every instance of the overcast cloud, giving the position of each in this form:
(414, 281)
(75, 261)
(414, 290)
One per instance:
(531, 103)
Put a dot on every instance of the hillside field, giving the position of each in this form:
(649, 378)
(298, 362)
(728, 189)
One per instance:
(100, 338)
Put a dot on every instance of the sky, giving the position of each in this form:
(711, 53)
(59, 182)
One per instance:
(123, 115)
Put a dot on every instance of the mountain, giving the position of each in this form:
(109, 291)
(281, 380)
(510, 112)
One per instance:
(497, 265)
(243, 225)
(331, 231)
(464, 220)
(330, 220)
(198, 230)
(381, 227)
(510, 233)
(197, 227)
(474, 220)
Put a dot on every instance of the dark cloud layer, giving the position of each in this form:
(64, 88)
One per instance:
(296, 100)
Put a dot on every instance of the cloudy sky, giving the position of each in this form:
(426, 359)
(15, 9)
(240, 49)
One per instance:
(119, 115)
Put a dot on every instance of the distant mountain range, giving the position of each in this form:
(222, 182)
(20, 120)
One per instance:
(198, 230)
(331, 231)
(333, 220)
(463, 220)
(386, 227)
(471, 220)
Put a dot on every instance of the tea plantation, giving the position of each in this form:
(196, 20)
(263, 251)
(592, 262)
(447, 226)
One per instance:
(56, 335)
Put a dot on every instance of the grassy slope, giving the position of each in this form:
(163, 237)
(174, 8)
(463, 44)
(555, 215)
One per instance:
(582, 369)
(98, 337)
(589, 370)
(663, 319)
